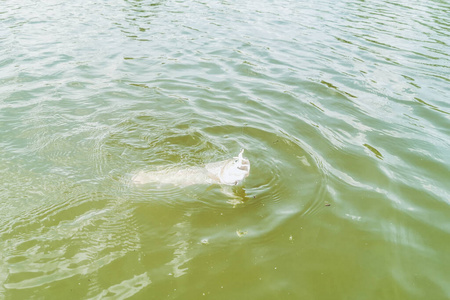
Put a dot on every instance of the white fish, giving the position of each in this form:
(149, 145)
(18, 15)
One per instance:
(228, 172)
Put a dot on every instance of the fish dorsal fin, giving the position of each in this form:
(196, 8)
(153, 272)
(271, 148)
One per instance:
(240, 157)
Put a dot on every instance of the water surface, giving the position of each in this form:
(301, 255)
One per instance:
(342, 108)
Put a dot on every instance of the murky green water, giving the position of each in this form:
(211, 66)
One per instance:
(342, 107)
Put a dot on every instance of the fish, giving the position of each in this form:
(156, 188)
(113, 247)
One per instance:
(227, 172)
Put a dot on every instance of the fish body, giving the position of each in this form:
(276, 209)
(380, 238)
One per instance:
(228, 172)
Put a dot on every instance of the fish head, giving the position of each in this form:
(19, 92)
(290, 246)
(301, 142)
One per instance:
(235, 170)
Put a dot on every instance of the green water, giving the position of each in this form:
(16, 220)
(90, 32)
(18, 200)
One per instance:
(342, 108)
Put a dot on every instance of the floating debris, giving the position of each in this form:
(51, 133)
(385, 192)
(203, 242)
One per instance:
(241, 233)
(374, 151)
